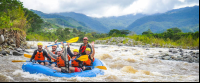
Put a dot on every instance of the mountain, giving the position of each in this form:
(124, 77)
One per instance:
(187, 19)
(89, 21)
(63, 21)
(120, 22)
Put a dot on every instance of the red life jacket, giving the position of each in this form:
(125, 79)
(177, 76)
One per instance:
(39, 56)
(83, 49)
(89, 62)
(60, 62)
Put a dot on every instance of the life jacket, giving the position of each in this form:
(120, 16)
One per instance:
(83, 49)
(39, 56)
(52, 57)
(75, 63)
(60, 61)
(89, 62)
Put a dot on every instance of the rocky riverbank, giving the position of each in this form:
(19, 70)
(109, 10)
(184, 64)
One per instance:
(122, 41)
(175, 53)
(178, 55)
(12, 43)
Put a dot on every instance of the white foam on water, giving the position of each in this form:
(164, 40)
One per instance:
(126, 64)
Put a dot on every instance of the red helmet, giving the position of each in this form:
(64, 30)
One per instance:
(85, 38)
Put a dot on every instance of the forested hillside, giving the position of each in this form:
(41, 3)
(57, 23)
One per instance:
(187, 19)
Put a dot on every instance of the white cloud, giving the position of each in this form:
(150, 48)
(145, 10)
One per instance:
(106, 8)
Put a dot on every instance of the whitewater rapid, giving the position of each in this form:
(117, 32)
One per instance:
(124, 64)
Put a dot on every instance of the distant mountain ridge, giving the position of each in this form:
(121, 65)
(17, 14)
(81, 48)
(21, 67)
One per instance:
(187, 19)
(94, 24)
(63, 21)
(120, 22)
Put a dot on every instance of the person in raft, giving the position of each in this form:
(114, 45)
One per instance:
(62, 61)
(40, 54)
(84, 46)
(54, 47)
(90, 60)
(76, 64)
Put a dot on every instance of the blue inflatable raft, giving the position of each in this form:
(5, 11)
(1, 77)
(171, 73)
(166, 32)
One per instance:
(34, 68)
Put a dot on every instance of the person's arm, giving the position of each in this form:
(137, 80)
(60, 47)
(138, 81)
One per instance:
(56, 41)
(69, 51)
(92, 55)
(90, 48)
(46, 55)
(65, 52)
(50, 53)
(33, 56)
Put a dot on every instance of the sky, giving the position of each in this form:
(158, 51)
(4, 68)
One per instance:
(108, 8)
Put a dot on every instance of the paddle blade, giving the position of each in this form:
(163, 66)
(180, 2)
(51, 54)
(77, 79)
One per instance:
(73, 40)
(18, 60)
(83, 58)
(101, 67)
(27, 55)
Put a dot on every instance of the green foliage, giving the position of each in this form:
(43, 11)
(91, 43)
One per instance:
(118, 33)
(147, 32)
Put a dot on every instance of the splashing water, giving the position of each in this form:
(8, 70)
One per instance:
(124, 64)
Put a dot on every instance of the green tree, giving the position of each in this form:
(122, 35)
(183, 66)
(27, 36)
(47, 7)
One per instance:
(114, 31)
(147, 32)
(176, 30)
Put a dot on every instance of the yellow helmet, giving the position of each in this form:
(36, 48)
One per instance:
(75, 50)
(88, 49)
(61, 46)
(39, 43)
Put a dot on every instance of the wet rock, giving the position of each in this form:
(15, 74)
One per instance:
(120, 44)
(1, 39)
(147, 49)
(170, 50)
(3, 52)
(181, 53)
(13, 45)
(15, 53)
(179, 58)
(166, 57)
(7, 51)
(180, 50)
(32, 47)
(150, 56)
(174, 51)
(18, 49)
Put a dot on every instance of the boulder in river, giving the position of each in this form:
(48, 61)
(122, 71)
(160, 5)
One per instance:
(15, 53)
(120, 44)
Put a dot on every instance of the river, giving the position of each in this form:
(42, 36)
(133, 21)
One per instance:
(124, 64)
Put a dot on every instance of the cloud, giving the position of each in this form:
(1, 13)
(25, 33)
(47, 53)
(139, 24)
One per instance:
(106, 8)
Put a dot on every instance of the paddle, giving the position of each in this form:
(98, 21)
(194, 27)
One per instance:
(101, 67)
(69, 41)
(81, 58)
(29, 61)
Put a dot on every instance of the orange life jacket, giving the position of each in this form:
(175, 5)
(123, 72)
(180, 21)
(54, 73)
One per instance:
(39, 56)
(74, 63)
(51, 57)
(60, 62)
(89, 62)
